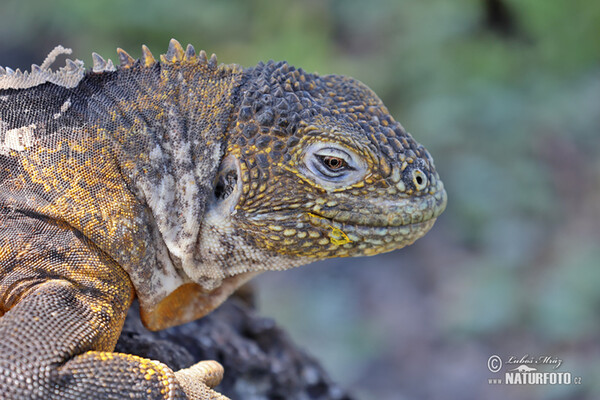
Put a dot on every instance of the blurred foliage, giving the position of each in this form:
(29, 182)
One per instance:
(506, 96)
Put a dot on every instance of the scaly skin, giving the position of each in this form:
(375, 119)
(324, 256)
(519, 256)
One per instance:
(175, 182)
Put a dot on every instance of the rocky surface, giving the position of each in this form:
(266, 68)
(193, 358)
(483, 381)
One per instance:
(260, 360)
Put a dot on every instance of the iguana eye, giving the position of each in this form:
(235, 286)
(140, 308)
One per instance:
(331, 163)
(334, 163)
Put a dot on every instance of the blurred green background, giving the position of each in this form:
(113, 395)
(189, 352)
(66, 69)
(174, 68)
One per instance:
(506, 96)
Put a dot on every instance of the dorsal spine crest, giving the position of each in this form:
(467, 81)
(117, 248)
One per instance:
(73, 72)
(68, 76)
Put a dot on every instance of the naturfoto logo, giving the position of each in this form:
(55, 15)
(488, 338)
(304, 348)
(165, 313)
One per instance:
(525, 370)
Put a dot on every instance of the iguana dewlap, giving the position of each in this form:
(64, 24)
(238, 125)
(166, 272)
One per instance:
(175, 182)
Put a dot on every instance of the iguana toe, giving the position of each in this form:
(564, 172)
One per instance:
(198, 380)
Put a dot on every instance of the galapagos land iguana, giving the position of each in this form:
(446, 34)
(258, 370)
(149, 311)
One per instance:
(175, 181)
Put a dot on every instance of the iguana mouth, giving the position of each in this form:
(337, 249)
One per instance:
(386, 214)
(381, 227)
(370, 239)
(320, 221)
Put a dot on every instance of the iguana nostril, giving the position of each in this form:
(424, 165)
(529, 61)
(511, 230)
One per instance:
(419, 179)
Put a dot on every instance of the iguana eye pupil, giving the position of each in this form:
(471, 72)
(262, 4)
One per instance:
(334, 163)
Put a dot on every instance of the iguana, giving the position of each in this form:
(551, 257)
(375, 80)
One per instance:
(175, 181)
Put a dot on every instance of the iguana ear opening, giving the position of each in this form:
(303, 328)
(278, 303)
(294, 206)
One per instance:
(228, 185)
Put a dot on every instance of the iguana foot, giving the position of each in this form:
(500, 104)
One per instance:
(198, 380)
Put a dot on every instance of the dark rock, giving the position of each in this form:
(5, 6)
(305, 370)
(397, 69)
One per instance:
(260, 360)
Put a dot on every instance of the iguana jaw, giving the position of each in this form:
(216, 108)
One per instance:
(369, 240)
(351, 226)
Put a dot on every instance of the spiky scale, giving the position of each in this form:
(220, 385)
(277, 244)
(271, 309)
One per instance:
(212, 63)
(190, 53)
(175, 52)
(202, 59)
(125, 59)
(110, 66)
(147, 58)
(99, 63)
(71, 66)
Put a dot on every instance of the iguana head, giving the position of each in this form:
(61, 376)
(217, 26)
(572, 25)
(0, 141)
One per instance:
(316, 167)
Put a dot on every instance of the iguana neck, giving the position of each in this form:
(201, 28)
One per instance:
(167, 124)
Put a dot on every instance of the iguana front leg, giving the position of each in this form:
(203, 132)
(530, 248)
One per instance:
(62, 311)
